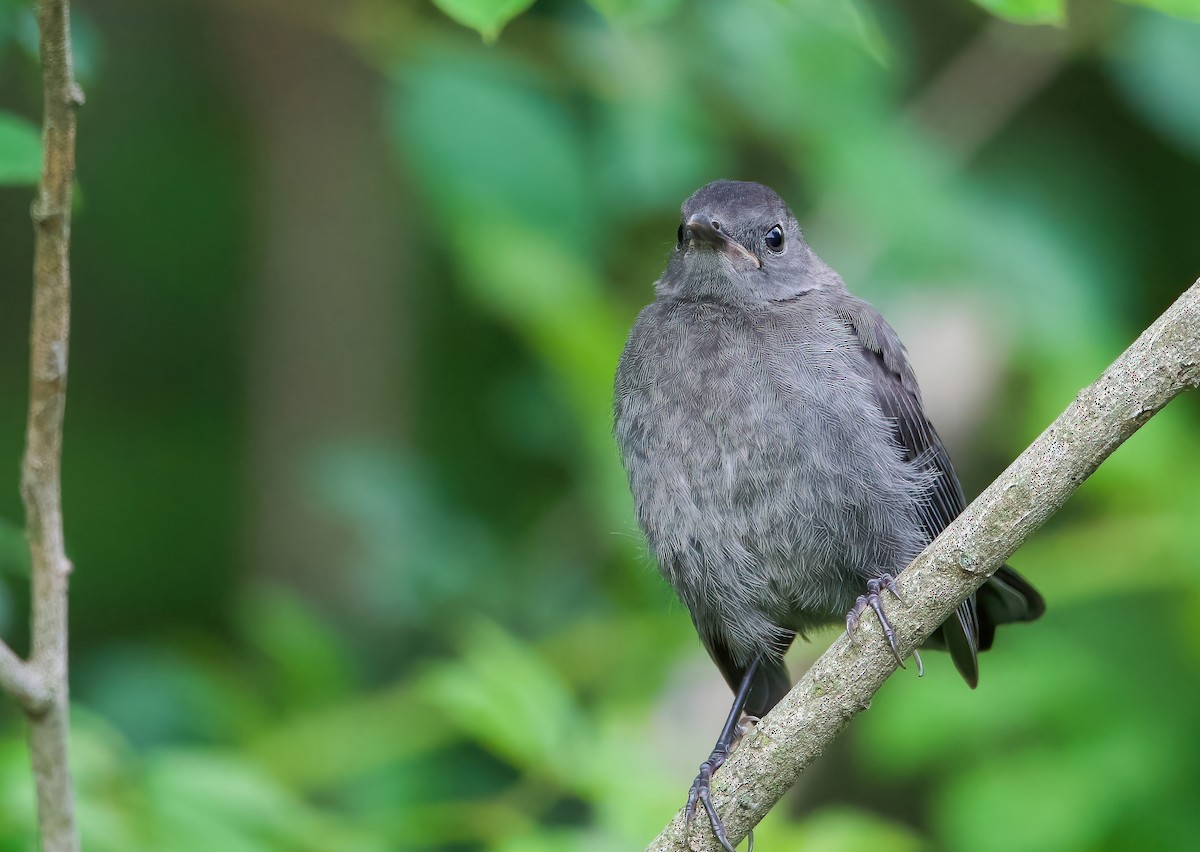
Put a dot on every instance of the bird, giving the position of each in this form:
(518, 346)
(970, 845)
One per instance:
(782, 466)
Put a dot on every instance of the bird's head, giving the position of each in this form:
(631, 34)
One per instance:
(739, 242)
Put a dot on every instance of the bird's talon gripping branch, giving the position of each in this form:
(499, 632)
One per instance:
(702, 781)
(700, 793)
(888, 582)
(873, 600)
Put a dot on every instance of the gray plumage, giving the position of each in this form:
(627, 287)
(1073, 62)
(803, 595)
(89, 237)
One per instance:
(776, 446)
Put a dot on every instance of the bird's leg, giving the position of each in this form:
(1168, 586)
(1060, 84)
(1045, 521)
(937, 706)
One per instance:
(872, 599)
(701, 787)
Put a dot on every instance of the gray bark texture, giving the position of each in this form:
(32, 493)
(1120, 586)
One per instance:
(1162, 363)
(40, 684)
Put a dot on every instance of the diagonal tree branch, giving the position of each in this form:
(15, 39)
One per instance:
(1163, 362)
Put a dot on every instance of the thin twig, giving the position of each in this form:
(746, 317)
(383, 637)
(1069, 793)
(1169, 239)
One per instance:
(41, 467)
(1162, 363)
(22, 681)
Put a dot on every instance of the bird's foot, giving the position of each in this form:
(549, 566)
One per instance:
(701, 794)
(873, 599)
(731, 732)
(744, 727)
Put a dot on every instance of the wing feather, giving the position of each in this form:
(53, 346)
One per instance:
(895, 387)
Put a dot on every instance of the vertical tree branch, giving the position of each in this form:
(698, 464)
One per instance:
(41, 467)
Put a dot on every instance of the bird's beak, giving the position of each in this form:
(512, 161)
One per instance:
(705, 229)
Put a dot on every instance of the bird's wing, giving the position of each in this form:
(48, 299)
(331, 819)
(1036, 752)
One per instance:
(896, 391)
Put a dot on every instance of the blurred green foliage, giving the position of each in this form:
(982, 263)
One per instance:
(486, 658)
(20, 151)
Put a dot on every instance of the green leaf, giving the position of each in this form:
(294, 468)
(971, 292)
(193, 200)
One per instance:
(308, 664)
(503, 693)
(20, 151)
(486, 16)
(208, 799)
(1028, 11)
(507, 149)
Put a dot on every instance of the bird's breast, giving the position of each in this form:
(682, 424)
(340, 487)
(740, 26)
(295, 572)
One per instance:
(760, 451)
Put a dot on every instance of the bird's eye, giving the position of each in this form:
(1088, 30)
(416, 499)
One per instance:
(679, 235)
(774, 239)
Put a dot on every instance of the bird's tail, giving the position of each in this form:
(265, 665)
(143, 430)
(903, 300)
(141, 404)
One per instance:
(771, 683)
(1005, 598)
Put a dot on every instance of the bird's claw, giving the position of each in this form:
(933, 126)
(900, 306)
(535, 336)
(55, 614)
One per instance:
(701, 793)
(873, 600)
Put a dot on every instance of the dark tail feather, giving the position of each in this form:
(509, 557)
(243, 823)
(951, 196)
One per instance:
(771, 683)
(1005, 598)
(959, 635)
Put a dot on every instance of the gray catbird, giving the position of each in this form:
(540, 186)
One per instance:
(780, 460)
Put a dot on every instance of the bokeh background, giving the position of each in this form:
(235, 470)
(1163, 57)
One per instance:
(356, 568)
